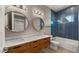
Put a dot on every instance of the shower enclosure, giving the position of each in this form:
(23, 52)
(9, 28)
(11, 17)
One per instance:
(66, 26)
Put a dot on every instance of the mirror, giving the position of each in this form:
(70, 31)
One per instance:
(38, 24)
(17, 22)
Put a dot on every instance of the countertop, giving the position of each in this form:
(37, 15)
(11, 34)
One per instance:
(21, 40)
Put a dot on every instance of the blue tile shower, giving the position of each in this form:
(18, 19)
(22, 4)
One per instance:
(65, 23)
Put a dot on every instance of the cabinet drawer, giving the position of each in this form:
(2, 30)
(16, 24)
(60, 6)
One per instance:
(44, 43)
(19, 49)
(36, 48)
(34, 43)
(15, 49)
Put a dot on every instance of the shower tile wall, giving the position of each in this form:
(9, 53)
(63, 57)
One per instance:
(30, 16)
(70, 29)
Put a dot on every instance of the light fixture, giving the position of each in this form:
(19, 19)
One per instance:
(37, 12)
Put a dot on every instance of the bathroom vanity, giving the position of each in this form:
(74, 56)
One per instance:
(28, 45)
(17, 23)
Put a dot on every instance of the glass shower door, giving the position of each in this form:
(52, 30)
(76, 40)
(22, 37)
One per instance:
(65, 23)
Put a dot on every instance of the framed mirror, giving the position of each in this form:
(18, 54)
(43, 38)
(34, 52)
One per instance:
(38, 24)
(17, 22)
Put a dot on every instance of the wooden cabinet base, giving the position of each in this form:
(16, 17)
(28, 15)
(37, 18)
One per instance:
(30, 47)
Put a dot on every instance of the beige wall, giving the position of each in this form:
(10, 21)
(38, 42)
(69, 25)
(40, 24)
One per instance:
(2, 30)
(30, 16)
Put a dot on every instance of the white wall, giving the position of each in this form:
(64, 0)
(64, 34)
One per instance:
(2, 30)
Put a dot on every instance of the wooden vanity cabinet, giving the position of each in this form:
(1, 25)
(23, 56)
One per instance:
(19, 48)
(30, 47)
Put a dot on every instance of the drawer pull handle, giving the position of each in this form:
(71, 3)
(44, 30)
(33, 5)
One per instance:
(35, 47)
(17, 47)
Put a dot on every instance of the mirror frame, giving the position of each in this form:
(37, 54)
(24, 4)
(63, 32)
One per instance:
(34, 25)
(7, 26)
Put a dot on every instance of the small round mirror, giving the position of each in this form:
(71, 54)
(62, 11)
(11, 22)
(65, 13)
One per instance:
(38, 24)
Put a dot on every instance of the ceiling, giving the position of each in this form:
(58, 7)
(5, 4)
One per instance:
(57, 8)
